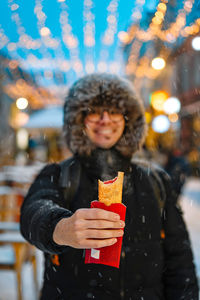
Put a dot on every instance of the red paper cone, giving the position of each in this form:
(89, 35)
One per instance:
(107, 255)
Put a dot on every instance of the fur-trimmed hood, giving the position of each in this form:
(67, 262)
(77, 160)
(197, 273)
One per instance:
(109, 91)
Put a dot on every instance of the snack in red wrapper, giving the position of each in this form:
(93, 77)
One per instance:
(110, 197)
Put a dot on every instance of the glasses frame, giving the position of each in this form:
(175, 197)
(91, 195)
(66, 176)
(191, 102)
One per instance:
(99, 116)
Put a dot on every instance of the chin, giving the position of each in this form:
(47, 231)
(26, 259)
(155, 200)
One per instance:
(105, 146)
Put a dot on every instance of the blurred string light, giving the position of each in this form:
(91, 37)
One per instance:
(89, 35)
(4, 40)
(109, 34)
(141, 67)
(123, 36)
(25, 41)
(108, 39)
(22, 103)
(160, 124)
(39, 96)
(196, 43)
(137, 11)
(45, 31)
(133, 57)
(158, 63)
(171, 34)
(172, 105)
(127, 38)
(47, 41)
(71, 42)
(135, 35)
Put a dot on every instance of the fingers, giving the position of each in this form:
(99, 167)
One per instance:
(103, 234)
(99, 243)
(102, 224)
(97, 213)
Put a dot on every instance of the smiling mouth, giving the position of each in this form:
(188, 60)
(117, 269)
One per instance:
(104, 132)
(107, 133)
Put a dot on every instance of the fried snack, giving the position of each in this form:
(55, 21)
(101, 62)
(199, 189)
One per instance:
(111, 191)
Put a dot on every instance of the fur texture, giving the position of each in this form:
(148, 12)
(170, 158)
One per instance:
(112, 93)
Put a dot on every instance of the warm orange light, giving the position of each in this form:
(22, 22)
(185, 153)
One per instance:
(158, 99)
(13, 64)
(123, 37)
(159, 14)
(173, 118)
(148, 117)
(20, 119)
(162, 6)
(156, 20)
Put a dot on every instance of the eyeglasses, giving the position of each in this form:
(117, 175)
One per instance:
(96, 117)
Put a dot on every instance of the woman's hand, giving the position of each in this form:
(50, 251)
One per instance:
(89, 228)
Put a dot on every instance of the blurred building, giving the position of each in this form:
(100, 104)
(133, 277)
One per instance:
(167, 35)
(15, 83)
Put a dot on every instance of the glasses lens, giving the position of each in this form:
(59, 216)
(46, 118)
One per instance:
(94, 117)
(116, 117)
(97, 115)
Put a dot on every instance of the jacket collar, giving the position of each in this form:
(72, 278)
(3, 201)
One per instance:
(104, 164)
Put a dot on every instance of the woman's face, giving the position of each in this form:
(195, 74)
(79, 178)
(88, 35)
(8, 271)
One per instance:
(105, 129)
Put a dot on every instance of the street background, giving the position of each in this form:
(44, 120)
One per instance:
(44, 47)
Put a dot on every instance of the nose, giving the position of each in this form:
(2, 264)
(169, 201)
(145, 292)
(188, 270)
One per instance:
(105, 118)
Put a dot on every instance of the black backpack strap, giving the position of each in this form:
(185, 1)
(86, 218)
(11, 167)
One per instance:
(69, 179)
(154, 173)
(158, 186)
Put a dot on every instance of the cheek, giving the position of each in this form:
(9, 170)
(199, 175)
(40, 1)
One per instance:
(121, 127)
(89, 130)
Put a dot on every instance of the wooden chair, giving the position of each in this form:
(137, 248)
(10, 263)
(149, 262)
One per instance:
(14, 250)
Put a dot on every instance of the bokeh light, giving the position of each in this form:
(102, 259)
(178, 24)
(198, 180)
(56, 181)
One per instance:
(22, 138)
(158, 63)
(172, 105)
(22, 103)
(158, 99)
(44, 31)
(196, 43)
(160, 124)
(173, 118)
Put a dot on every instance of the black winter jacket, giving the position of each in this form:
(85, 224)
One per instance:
(151, 268)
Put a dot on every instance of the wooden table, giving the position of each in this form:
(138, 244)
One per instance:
(9, 226)
(23, 251)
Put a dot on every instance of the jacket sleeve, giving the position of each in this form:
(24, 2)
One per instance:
(180, 280)
(42, 209)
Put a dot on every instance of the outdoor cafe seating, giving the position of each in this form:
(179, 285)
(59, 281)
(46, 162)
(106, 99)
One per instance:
(15, 251)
